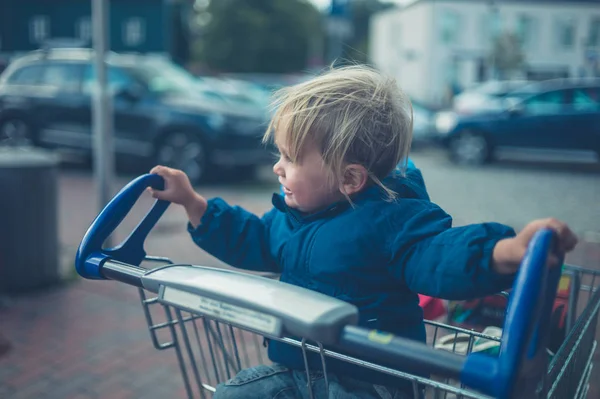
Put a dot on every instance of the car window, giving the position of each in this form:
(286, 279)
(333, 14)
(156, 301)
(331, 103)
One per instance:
(116, 78)
(28, 75)
(546, 103)
(63, 76)
(163, 78)
(585, 99)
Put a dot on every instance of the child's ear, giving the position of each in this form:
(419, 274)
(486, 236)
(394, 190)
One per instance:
(355, 179)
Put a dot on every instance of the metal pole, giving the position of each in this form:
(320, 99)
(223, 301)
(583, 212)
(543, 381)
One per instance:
(102, 110)
(494, 25)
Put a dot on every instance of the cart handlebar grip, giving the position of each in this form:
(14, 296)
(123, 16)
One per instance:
(522, 360)
(90, 255)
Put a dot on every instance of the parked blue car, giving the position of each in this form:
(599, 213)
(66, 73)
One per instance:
(160, 116)
(559, 115)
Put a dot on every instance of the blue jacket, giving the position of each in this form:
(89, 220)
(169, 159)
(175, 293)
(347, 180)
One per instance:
(376, 255)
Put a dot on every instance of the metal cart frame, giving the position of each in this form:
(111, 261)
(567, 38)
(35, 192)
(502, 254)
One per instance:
(217, 329)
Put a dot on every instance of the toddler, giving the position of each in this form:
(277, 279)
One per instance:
(353, 220)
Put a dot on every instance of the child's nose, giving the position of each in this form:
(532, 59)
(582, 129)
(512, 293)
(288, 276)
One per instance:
(278, 169)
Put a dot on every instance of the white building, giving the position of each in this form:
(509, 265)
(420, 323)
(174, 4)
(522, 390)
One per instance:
(431, 43)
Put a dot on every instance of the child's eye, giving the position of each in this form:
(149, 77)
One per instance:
(282, 156)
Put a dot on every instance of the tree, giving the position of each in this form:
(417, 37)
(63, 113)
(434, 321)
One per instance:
(507, 54)
(180, 41)
(357, 48)
(269, 36)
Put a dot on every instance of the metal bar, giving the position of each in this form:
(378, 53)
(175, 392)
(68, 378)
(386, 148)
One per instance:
(151, 326)
(210, 348)
(386, 370)
(244, 347)
(201, 351)
(411, 355)
(257, 345)
(159, 259)
(102, 112)
(123, 272)
(307, 370)
(462, 330)
(589, 316)
(573, 300)
(587, 372)
(186, 341)
(235, 349)
(184, 375)
(224, 351)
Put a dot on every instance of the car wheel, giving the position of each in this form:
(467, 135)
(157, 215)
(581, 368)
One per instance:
(470, 148)
(184, 151)
(15, 132)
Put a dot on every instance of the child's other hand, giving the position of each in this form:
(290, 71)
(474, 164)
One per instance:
(509, 253)
(179, 190)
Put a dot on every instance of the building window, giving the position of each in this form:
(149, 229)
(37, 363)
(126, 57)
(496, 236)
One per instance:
(594, 32)
(84, 29)
(450, 27)
(565, 33)
(134, 32)
(526, 31)
(39, 28)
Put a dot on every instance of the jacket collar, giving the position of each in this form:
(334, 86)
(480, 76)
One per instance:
(298, 217)
(370, 193)
(409, 186)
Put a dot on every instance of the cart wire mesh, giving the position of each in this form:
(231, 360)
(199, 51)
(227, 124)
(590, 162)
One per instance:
(211, 352)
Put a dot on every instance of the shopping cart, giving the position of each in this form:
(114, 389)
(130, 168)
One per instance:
(216, 321)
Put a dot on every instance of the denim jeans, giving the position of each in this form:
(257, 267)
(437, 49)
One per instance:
(279, 382)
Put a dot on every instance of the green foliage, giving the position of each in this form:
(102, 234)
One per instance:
(357, 47)
(507, 53)
(268, 36)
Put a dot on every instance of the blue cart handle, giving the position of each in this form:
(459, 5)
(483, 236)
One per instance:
(522, 361)
(90, 255)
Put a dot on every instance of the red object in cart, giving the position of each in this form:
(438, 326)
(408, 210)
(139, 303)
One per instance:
(433, 308)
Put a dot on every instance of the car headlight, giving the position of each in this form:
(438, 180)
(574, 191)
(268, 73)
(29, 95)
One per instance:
(445, 122)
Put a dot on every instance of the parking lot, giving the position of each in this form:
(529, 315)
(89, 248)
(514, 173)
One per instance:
(510, 192)
(89, 339)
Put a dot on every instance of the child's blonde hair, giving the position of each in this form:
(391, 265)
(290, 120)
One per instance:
(353, 114)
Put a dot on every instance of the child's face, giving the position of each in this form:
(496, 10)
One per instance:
(305, 184)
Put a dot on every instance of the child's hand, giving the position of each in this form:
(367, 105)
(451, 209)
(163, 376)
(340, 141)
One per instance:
(179, 190)
(509, 253)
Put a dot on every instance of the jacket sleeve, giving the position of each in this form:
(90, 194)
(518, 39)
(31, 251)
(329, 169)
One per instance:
(432, 258)
(236, 236)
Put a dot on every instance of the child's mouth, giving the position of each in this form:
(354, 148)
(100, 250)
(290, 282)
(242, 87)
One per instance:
(286, 191)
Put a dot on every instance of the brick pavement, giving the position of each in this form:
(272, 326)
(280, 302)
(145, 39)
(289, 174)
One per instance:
(83, 340)
(89, 339)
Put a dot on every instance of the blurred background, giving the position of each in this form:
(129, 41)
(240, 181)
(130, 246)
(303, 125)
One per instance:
(506, 99)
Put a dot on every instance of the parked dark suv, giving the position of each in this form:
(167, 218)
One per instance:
(160, 116)
(560, 115)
